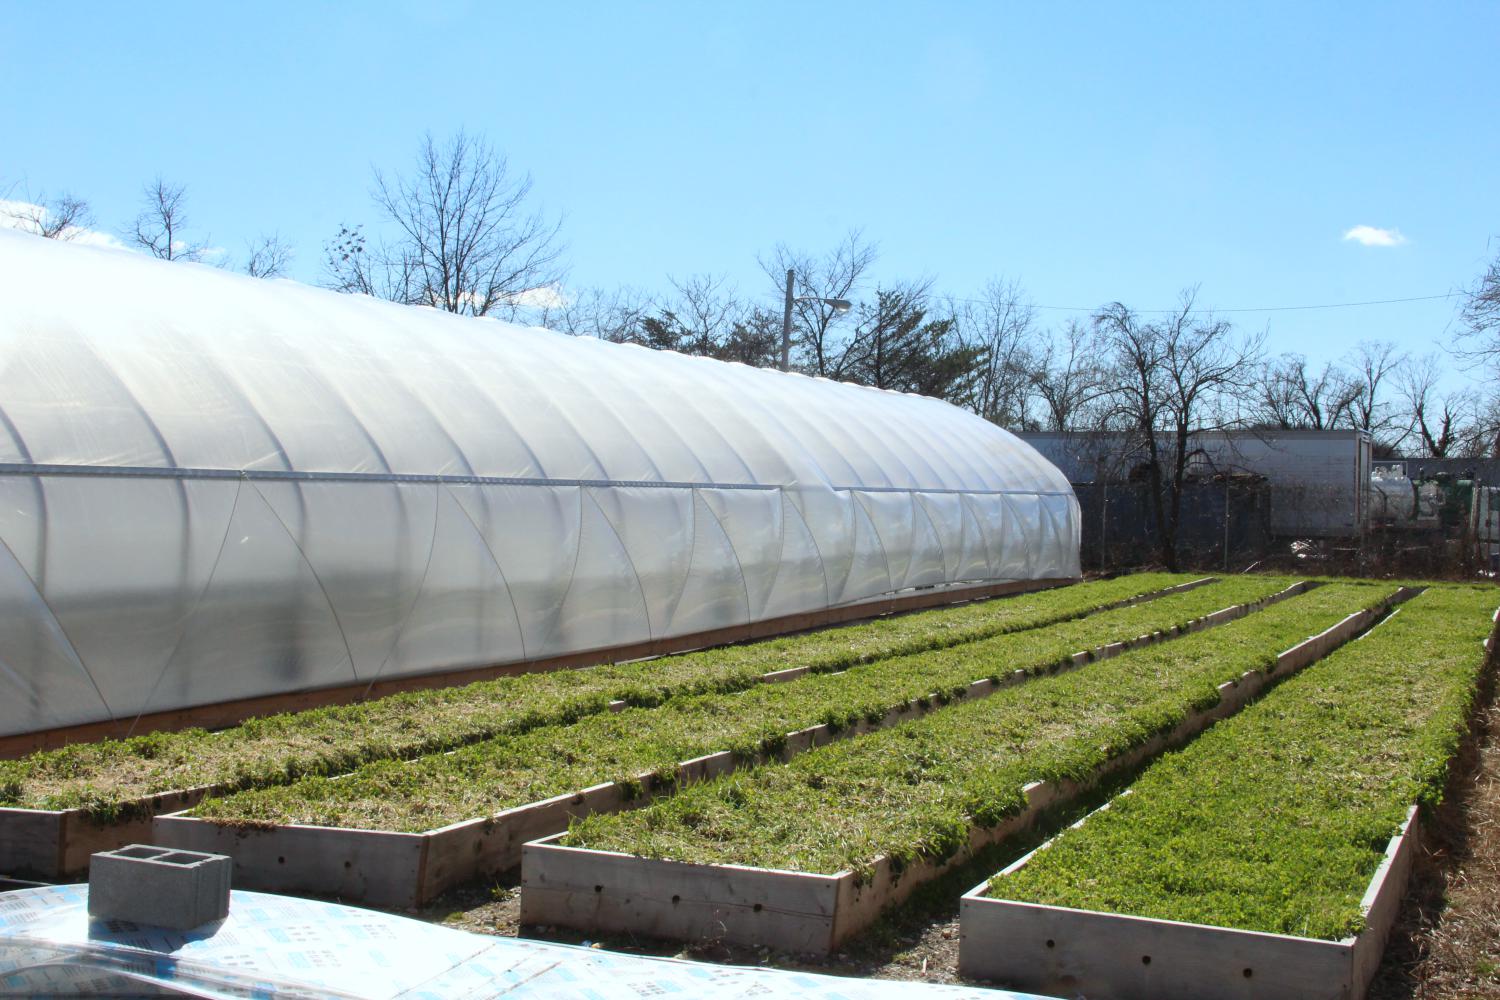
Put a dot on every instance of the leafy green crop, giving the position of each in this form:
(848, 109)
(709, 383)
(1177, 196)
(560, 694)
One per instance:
(108, 777)
(1276, 820)
(915, 790)
(484, 778)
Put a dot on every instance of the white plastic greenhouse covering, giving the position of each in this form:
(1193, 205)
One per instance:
(214, 487)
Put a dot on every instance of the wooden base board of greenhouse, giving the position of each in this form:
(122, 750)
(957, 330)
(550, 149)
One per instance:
(49, 843)
(609, 892)
(409, 869)
(1055, 950)
(228, 713)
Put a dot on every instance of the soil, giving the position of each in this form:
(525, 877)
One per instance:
(1446, 942)
(920, 944)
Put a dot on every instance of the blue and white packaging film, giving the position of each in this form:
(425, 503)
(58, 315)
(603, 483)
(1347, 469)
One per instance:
(276, 946)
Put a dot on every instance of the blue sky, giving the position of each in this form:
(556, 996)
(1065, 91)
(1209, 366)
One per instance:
(1093, 152)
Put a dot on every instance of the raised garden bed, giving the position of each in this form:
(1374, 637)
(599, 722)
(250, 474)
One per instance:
(60, 806)
(802, 856)
(1270, 856)
(228, 714)
(452, 817)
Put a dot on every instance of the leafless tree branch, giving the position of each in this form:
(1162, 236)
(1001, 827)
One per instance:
(1481, 316)
(268, 257)
(161, 226)
(838, 274)
(1173, 378)
(62, 218)
(1373, 368)
(463, 238)
(998, 327)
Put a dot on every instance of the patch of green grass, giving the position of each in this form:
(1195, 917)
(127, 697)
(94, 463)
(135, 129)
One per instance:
(484, 778)
(1276, 819)
(915, 791)
(108, 777)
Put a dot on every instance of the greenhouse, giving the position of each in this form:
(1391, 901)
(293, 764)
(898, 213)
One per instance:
(214, 488)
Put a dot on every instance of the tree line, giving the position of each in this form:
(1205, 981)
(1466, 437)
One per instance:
(457, 231)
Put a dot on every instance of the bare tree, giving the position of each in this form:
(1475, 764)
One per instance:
(1070, 381)
(704, 316)
(347, 264)
(698, 318)
(1276, 403)
(614, 316)
(1480, 344)
(1446, 423)
(1171, 380)
(62, 218)
(1373, 369)
(998, 327)
(463, 237)
(1481, 315)
(352, 265)
(1290, 394)
(1481, 438)
(268, 257)
(160, 229)
(838, 274)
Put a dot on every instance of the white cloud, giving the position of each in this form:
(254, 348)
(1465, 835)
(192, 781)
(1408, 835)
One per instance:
(539, 298)
(25, 216)
(95, 238)
(545, 297)
(1374, 236)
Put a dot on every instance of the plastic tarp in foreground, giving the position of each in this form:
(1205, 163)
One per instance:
(276, 946)
(214, 487)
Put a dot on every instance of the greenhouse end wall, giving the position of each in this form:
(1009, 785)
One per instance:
(214, 488)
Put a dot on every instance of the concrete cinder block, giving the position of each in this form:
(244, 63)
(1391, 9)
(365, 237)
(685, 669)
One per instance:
(160, 886)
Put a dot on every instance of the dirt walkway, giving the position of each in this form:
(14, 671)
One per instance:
(1446, 945)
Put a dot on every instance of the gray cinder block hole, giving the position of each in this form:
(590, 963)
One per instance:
(160, 886)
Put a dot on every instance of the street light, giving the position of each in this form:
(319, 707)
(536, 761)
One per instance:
(838, 305)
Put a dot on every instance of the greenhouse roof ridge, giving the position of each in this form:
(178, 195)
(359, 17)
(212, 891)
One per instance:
(115, 359)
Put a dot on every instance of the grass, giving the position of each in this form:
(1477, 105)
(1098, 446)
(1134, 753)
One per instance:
(485, 778)
(915, 791)
(109, 777)
(1276, 820)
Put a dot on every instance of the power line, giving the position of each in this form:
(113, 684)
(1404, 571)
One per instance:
(1249, 309)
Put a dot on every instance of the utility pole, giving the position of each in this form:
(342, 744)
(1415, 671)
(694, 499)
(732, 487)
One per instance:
(837, 305)
(786, 324)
